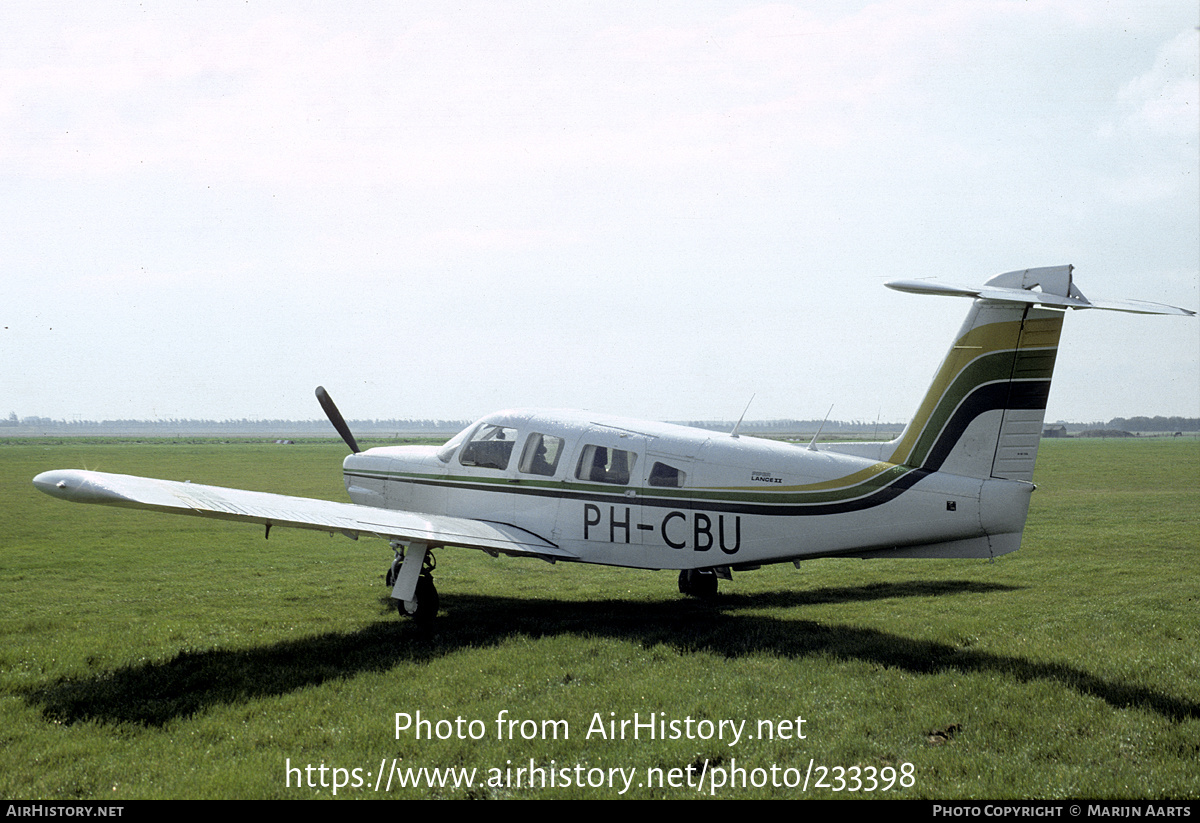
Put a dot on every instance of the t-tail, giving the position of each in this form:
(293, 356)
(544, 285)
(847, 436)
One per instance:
(982, 416)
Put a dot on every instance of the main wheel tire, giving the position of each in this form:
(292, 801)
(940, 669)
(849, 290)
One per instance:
(698, 583)
(704, 585)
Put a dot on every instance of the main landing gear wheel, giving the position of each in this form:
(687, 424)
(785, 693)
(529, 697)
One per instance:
(700, 583)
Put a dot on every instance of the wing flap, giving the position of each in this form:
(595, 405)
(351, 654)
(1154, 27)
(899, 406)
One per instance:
(283, 510)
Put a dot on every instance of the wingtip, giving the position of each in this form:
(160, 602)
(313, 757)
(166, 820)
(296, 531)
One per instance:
(59, 483)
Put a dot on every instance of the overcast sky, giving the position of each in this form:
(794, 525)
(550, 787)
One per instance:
(654, 209)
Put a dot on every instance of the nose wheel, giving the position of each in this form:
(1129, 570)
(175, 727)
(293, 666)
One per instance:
(424, 604)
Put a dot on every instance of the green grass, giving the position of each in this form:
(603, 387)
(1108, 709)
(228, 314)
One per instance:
(147, 655)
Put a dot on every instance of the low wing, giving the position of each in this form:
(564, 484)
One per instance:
(298, 512)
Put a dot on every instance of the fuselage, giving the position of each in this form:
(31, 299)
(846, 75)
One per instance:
(654, 495)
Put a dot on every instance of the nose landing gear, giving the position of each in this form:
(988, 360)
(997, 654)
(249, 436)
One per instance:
(423, 606)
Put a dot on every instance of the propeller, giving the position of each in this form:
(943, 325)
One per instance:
(335, 417)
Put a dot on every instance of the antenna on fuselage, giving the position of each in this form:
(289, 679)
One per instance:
(738, 424)
(812, 446)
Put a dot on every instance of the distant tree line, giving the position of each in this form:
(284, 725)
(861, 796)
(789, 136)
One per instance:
(424, 425)
(239, 425)
(1155, 424)
(248, 425)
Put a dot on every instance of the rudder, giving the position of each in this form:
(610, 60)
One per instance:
(982, 416)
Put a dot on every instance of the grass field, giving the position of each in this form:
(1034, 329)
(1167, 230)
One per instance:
(152, 656)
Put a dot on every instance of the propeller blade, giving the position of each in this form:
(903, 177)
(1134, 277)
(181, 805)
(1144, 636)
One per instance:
(335, 417)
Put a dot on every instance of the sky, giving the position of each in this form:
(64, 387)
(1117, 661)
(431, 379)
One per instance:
(660, 210)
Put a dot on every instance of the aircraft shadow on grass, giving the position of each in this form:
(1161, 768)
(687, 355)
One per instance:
(155, 693)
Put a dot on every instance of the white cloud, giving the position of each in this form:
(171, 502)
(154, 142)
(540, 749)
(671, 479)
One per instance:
(1165, 101)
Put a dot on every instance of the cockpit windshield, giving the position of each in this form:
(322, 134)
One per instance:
(489, 447)
(446, 452)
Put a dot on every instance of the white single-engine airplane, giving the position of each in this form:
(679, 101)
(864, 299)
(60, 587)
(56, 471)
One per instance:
(589, 488)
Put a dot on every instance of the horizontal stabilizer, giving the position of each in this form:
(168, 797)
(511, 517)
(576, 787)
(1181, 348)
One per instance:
(1054, 289)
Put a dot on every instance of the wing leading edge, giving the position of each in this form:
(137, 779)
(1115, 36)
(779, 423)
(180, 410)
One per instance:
(296, 512)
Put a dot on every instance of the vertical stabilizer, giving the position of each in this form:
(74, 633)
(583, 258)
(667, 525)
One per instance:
(983, 414)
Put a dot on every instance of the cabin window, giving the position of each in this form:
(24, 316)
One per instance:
(601, 464)
(667, 476)
(541, 454)
(489, 448)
